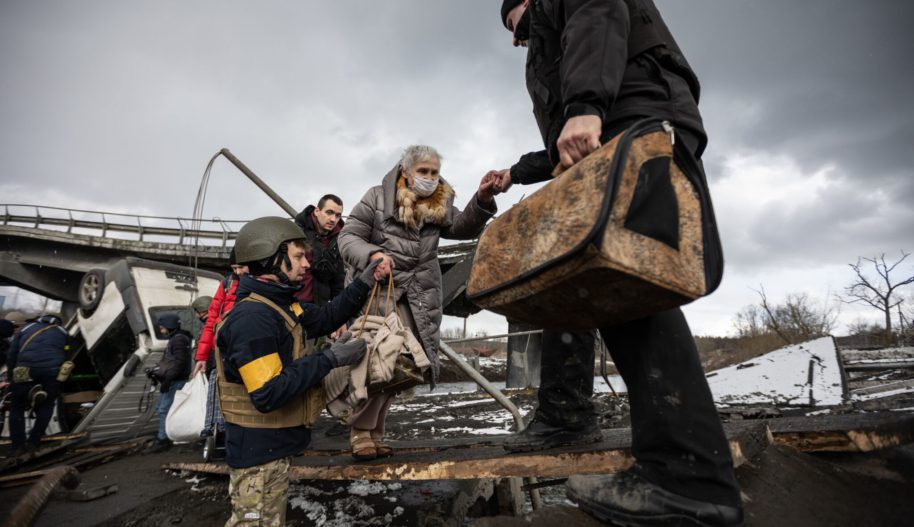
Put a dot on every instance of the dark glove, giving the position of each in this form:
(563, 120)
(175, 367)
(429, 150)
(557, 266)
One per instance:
(344, 351)
(152, 373)
(367, 276)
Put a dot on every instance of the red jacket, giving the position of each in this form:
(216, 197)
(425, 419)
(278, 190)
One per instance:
(220, 306)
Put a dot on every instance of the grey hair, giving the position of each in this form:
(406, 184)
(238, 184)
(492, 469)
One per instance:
(416, 154)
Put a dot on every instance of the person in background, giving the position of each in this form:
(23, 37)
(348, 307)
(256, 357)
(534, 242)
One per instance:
(322, 225)
(171, 373)
(219, 307)
(7, 329)
(35, 356)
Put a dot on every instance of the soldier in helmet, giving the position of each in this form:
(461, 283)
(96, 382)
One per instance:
(269, 378)
(171, 372)
(200, 306)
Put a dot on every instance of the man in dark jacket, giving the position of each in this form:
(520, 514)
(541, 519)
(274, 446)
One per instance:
(171, 372)
(322, 224)
(593, 68)
(35, 356)
(269, 378)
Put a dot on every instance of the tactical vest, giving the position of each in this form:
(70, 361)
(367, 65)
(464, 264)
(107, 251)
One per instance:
(237, 407)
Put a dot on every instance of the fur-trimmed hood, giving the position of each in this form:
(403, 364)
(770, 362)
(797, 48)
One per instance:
(402, 204)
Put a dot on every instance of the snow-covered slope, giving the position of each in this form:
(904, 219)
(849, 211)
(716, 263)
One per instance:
(806, 374)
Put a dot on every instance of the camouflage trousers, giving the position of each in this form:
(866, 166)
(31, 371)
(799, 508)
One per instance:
(259, 494)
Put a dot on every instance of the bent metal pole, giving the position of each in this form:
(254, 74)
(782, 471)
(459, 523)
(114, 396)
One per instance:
(259, 182)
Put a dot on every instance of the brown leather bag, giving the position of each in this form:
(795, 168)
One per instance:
(627, 232)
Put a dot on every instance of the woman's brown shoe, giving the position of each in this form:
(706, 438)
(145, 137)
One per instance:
(363, 448)
(383, 449)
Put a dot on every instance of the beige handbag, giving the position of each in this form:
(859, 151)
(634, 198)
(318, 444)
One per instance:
(389, 369)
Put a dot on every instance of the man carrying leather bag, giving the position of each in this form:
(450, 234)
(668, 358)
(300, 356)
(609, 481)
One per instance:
(595, 67)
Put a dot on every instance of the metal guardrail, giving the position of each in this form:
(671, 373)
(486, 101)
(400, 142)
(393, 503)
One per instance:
(184, 229)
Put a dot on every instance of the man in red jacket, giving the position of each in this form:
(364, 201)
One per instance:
(222, 303)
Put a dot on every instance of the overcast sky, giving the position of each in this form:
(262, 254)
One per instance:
(118, 106)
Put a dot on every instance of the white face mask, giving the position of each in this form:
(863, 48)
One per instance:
(424, 187)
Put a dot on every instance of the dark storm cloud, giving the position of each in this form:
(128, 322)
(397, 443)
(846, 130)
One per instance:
(826, 83)
(831, 78)
(119, 105)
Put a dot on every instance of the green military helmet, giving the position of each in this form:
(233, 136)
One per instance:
(261, 238)
(201, 304)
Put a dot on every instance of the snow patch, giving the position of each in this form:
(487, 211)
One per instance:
(782, 377)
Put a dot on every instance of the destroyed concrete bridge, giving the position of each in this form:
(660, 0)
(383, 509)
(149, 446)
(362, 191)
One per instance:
(52, 251)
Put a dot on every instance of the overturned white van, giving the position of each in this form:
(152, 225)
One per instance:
(114, 338)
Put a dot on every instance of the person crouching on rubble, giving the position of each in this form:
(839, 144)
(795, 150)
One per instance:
(35, 356)
(171, 373)
(269, 378)
(399, 224)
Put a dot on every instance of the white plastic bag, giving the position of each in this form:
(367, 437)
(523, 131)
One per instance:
(187, 414)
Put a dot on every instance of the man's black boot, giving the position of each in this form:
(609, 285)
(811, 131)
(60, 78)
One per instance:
(540, 435)
(628, 499)
(159, 445)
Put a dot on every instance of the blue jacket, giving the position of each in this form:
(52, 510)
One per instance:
(254, 335)
(46, 350)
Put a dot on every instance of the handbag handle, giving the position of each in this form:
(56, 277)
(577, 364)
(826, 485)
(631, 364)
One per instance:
(376, 295)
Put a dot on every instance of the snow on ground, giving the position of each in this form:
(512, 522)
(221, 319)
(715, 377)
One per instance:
(345, 507)
(782, 377)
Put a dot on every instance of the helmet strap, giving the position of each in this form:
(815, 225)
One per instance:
(282, 256)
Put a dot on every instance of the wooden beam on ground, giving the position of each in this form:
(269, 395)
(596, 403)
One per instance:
(887, 387)
(844, 433)
(893, 365)
(54, 438)
(488, 461)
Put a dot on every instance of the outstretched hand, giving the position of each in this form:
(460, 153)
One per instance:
(502, 179)
(487, 187)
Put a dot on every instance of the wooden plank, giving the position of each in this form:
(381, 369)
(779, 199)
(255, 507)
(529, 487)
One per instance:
(887, 387)
(473, 458)
(844, 433)
(489, 461)
(888, 365)
(54, 438)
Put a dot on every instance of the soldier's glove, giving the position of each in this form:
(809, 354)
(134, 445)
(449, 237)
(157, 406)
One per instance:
(345, 352)
(367, 276)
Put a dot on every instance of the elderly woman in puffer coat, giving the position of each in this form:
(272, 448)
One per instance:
(400, 222)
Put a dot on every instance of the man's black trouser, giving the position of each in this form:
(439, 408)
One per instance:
(47, 377)
(677, 439)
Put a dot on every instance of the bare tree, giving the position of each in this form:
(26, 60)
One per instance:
(797, 319)
(751, 322)
(878, 293)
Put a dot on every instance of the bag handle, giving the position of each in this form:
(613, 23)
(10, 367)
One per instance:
(376, 295)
